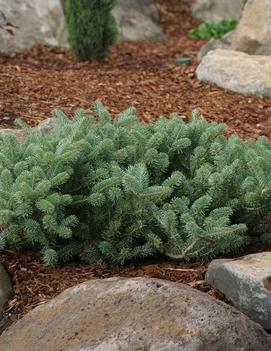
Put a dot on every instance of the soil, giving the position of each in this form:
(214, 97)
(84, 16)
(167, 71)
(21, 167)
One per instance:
(144, 75)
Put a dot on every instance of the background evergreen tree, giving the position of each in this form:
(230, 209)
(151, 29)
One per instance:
(92, 29)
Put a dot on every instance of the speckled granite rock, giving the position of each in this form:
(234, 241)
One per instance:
(246, 282)
(37, 21)
(237, 71)
(121, 314)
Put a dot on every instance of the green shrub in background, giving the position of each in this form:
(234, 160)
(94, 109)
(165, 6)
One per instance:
(209, 30)
(91, 27)
(114, 190)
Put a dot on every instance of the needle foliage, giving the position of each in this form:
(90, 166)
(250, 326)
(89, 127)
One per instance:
(112, 190)
(92, 29)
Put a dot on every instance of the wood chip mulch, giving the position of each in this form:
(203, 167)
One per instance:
(144, 75)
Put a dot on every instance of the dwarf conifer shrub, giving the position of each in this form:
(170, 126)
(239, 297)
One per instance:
(91, 27)
(114, 190)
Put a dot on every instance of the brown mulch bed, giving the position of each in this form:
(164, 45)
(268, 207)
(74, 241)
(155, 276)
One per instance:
(140, 74)
(143, 75)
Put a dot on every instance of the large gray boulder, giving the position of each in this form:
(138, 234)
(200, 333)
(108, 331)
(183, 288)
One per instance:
(135, 20)
(253, 34)
(5, 287)
(37, 21)
(237, 71)
(246, 282)
(134, 314)
(216, 10)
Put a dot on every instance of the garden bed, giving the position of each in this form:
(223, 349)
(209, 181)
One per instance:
(143, 75)
(135, 74)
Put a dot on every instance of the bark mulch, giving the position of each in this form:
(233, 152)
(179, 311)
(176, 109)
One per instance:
(144, 75)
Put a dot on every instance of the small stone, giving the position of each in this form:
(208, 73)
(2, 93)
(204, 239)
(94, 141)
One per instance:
(46, 125)
(183, 60)
(246, 282)
(121, 314)
(237, 71)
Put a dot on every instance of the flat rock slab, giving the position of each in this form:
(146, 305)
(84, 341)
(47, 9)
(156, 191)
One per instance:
(237, 71)
(246, 282)
(134, 314)
(5, 287)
